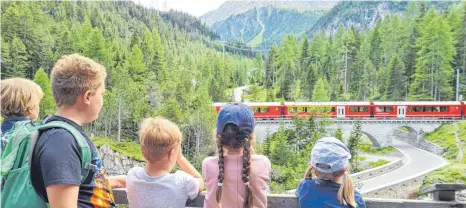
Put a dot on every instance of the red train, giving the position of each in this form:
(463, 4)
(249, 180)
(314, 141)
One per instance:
(423, 109)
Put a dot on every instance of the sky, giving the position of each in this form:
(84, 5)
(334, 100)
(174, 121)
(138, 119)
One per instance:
(193, 7)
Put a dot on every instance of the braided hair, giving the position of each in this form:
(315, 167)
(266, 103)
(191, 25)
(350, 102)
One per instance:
(232, 138)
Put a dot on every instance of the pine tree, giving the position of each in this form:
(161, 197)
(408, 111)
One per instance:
(339, 134)
(147, 47)
(433, 64)
(353, 144)
(47, 104)
(159, 59)
(5, 60)
(95, 47)
(320, 93)
(270, 68)
(396, 82)
(19, 57)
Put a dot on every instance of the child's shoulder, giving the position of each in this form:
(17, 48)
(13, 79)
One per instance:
(135, 170)
(212, 160)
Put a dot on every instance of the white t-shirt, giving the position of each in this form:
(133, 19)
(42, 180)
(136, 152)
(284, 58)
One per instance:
(167, 191)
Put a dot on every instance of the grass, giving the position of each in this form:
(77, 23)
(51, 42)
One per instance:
(378, 163)
(132, 150)
(381, 151)
(444, 136)
(403, 128)
(453, 173)
(456, 171)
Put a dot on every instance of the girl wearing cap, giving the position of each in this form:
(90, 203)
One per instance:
(236, 177)
(331, 185)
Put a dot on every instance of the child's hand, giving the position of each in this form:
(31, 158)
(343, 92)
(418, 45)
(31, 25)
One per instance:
(117, 181)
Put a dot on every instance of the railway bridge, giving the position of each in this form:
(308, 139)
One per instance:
(379, 131)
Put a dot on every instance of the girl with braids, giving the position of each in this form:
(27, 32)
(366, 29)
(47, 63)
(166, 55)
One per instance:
(331, 185)
(236, 177)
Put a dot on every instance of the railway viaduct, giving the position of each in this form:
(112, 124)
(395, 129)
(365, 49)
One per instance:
(380, 132)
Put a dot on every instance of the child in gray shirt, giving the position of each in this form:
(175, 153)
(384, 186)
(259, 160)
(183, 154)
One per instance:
(155, 186)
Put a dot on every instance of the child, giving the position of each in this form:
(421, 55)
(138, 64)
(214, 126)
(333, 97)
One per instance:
(236, 177)
(20, 100)
(78, 85)
(331, 186)
(154, 186)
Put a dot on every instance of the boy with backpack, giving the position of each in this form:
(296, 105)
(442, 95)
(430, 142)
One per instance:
(55, 163)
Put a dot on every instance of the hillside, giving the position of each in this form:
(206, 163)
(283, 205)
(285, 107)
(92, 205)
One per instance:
(158, 64)
(230, 8)
(364, 14)
(265, 26)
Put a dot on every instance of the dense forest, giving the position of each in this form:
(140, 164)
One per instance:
(412, 57)
(157, 63)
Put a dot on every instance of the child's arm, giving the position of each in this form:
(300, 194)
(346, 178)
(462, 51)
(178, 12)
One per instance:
(118, 181)
(63, 196)
(186, 166)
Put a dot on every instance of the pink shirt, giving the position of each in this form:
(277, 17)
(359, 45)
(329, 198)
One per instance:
(233, 189)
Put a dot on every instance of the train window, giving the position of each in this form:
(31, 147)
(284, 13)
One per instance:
(412, 109)
(332, 110)
(257, 110)
(292, 109)
(384, 109)
(363, 109)
(428, 109)
(359, 109)
(265, 110)
(354, 109)
(444, 109)
(303, 109)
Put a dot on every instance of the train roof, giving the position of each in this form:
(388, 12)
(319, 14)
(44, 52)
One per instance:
(251, 104)
(417, 103)
(326, 103)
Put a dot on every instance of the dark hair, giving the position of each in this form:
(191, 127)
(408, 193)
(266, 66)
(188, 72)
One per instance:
(231, 137)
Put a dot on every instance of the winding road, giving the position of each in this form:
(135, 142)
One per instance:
(415, 162)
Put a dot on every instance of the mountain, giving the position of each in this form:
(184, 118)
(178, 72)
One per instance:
(364, 14)
(230, 8)
(265, 26)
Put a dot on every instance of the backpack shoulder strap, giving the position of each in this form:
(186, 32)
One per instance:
(82, 143)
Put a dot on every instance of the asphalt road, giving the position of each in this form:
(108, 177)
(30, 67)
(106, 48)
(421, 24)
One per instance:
(415, 161)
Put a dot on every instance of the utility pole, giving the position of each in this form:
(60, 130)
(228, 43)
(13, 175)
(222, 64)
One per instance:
(458, 83)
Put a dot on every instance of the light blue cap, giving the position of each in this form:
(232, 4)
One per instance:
(329, 155)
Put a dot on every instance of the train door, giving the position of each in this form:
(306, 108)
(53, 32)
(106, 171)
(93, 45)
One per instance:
(340, 111)
(401, 111)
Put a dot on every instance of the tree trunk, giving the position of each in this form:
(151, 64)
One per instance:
(119, 118)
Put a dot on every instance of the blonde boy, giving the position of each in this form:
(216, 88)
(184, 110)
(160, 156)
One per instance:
(154, 186)
(20, 99)
(78, 85)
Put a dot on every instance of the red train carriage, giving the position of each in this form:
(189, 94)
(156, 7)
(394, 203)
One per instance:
(305, 109)
(427, 109)
(274, 110)
(266, 110)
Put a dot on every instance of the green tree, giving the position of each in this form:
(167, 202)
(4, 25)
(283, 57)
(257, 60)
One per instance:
(19, 59)
(353, 144)
(47, 105)
(396, 82)
(320, 93)
(434, 72)
(339, 134)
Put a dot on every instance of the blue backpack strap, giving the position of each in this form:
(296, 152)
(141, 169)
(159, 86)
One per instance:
(86, 156)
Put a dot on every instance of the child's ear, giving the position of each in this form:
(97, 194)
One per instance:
(172, 155)
(87, 97)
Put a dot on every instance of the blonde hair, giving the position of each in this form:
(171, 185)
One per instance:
(158, 136)
(19, 95)
(75, 74)
(345, 193)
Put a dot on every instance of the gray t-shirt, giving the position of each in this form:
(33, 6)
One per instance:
(167, 191)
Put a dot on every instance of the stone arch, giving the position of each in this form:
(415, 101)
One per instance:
(375, 143)
(411, 131)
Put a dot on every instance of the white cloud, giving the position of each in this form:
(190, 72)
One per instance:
(193, 7)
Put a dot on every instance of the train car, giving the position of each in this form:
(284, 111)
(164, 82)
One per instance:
(266, 110)
(262, 110)
(420, 109)
(305, 109)
(333, 109)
